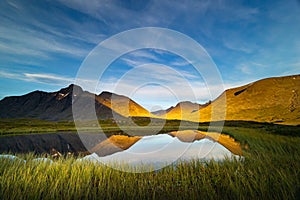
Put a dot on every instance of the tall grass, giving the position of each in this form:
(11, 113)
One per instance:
(270, 170)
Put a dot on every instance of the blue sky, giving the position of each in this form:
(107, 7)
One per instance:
(43, 43)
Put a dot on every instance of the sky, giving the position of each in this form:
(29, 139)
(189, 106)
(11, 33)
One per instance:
(43, 45)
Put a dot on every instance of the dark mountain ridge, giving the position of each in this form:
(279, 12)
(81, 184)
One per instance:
(53, 106)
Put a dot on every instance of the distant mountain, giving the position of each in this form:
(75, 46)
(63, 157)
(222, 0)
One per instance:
(267, 100)
(275, 100)
(122, 105)
(54, 106)
(181, 111)
(162, 112)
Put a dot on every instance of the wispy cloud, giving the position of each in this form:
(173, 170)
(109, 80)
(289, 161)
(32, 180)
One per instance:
(141, 57)
(49, 78)
(27, 34)
(35, 43)
(52, 79)
(160, 82)
(18, 76)
(238, 45)
(245, 69)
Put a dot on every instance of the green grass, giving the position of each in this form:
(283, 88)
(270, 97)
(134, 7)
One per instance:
(270, 170)
(25, 126)
(28, 126)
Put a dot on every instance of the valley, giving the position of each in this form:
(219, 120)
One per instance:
(254, 148)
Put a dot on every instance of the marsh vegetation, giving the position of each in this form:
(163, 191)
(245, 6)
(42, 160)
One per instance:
(270, 170)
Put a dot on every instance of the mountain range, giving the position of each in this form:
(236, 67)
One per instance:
(275, 100)
(53, 106)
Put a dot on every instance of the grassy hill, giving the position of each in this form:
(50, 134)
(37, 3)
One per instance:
(122, 105)
(275, 100)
